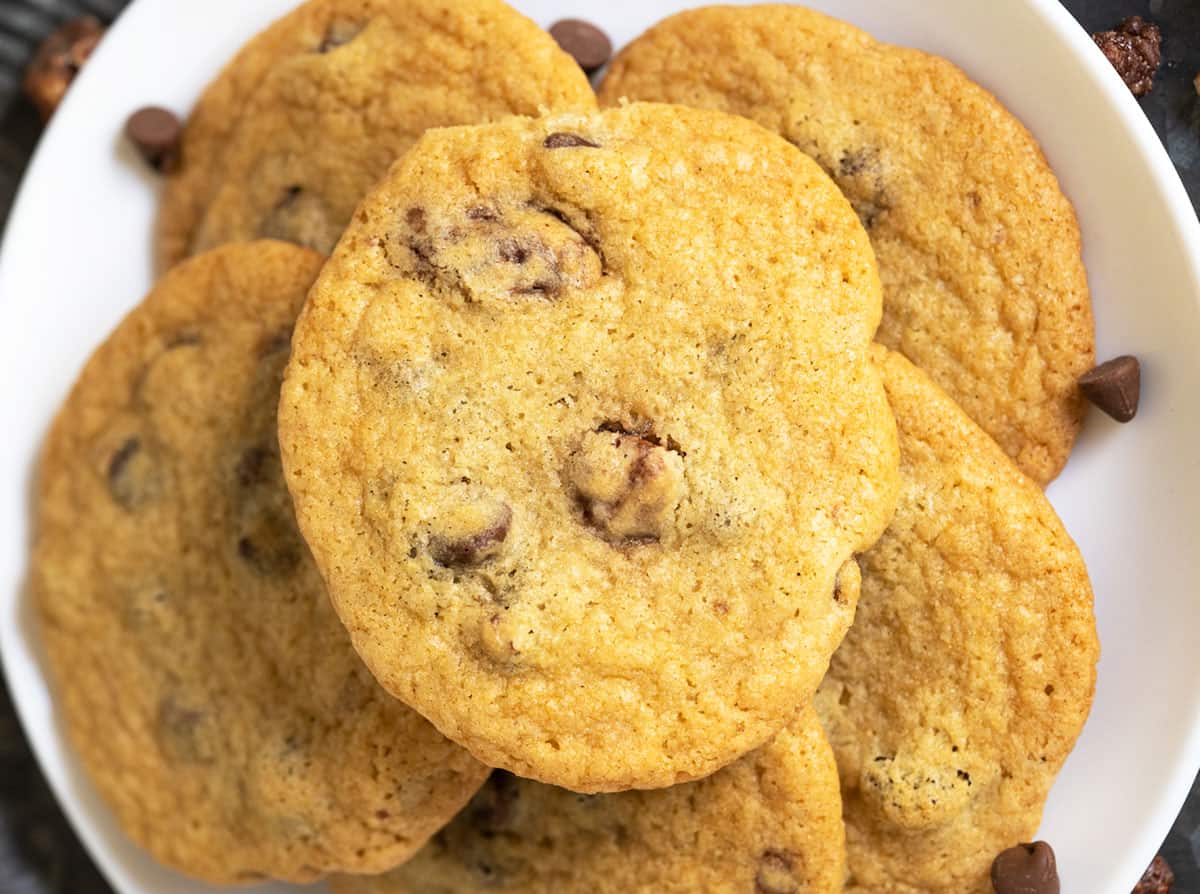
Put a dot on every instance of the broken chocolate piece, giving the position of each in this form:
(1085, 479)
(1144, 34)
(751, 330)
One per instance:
(1157, 879)
(58, 60)
(1135, 50)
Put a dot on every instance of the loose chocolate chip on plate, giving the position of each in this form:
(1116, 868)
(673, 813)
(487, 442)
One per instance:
(567, 141)
(1026, 869)
(156, 133)
(582, 40)
(1135, 50)
(57, 60)
(1114, 387)
(1157, 879)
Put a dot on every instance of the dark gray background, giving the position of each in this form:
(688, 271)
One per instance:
(38, 852)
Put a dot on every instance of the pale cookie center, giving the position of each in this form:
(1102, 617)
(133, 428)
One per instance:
(629, 486)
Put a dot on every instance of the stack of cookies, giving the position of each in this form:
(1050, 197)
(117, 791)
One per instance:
(501, 493)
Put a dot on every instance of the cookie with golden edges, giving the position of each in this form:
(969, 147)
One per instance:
(978, 248)
(579, 445)
(769, 823)
(201, 673)
(312, 111)
(970, 668)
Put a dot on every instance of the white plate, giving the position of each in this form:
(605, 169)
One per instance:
(76, 257)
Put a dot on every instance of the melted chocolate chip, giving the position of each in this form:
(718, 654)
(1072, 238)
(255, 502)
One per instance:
(301, 217)
(568, 141)
(494, 807)
(475, 549)
(271, 546)
(338, 34)
(130, 477)
(1026, 869)
(776, 874)
(416, 219)
(252, 466)
(179, 729)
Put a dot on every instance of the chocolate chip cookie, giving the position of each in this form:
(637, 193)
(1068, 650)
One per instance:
(204, 679)
(969, 671)
(979, 251)
(581, 426)
(770, 823)
(313, 110)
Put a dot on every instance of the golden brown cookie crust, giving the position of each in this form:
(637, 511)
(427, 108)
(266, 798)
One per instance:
(558, 407)
(204, 679)
(979, 250)
(769, 823)
(970, 668)
(312, 111)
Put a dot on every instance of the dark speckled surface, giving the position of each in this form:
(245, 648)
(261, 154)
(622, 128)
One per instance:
(38, 852)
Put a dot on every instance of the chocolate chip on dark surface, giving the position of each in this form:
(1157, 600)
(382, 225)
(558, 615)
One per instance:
(568, 141)
(1157, 879)
(156, 133)
(776, 874)
(1026, 869)
(461, 552)
(1135, 50)
(583, 41)
(1115, 387)
(58, 60)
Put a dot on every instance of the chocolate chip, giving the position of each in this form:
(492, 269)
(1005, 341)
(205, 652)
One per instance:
(1026, 869)
(416, 219)
(303, 218)
(1135, 50)
(775, 874)
(131, 481)
(272, 545)
(567, 141)
(494, 807)
(582, 40)
(338, 34)
(58, 60)
(179, 731)
(252, 466)
(1157, 879)
(155, 132)
(475, 549)
(1114, 387)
